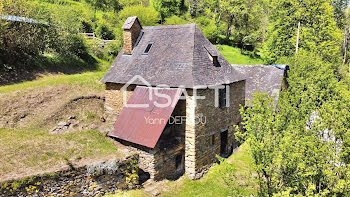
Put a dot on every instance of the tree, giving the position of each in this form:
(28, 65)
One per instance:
(244, 21)
(148, 16)
(319, 32)
(340, 7)
(21, 41)
(167, 8)
(302, 148)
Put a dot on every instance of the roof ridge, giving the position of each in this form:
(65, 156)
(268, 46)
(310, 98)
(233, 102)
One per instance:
(169, 26)
(193, 45)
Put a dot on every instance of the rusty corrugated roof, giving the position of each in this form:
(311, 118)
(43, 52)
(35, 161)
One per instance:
(144, 125)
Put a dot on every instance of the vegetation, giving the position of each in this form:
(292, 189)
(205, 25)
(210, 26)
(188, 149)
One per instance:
(32, 151)
(299, 149)
(234, 55)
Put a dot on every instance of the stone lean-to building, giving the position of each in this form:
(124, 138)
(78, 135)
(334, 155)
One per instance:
(186, 136)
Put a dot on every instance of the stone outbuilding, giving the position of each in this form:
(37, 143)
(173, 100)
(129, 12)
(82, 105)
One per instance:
(176, 99)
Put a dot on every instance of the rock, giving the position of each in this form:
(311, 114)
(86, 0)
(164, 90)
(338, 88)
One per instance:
(155, 192)
(62, 124)
(149, 189)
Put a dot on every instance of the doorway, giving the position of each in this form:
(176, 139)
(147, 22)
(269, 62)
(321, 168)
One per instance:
(224, 141)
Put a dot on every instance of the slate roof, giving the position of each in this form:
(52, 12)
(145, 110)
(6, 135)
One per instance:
(178, 57)
(262, 78)
(130, 21)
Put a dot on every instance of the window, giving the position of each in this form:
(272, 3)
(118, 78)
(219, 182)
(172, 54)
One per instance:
(212, 139)
(148, 48)
(223, 97)
(178, 162)
(213, 57)
(216, 61)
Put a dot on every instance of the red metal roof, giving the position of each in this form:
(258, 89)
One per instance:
(144, 125)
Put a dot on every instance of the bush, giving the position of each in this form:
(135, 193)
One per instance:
(208, 28)
(175, 20)
(19, 41)
(104, 32)
(74, 45)
(148, 16)
(107, 52)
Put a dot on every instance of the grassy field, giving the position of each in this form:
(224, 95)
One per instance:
(27, 152)
(90, 79)
(27, 148)
(234, 56)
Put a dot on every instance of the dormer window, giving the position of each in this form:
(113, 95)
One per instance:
(147, 49)
(216, 61)
(213, 58)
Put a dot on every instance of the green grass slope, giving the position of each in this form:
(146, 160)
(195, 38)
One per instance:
(234, 56)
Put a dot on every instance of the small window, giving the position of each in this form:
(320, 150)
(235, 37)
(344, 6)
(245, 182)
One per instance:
(216, 61)
(212, 139)
(148, 48)
(223, 102)
(213, 57)
(178, 161)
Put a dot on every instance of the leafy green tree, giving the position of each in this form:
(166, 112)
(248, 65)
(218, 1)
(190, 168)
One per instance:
(244, 21)
(167, 8)
(340, 7)
(148, 16)
(22, 41)
(318, 32)
(103, 31)
(196, 7)
(175, 20)
(302, 147)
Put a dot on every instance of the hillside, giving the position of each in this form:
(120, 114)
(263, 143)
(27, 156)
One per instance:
(31, 110)
(53, 124)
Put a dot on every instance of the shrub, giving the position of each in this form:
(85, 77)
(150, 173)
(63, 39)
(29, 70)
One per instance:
(148, 16)
(19, 41)
(104, 32)
(74, 45)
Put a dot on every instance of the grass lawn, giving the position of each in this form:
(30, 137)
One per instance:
(87, 79)
(234, 56)
(29, 151)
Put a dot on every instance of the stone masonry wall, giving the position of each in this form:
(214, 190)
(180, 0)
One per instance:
(160, 162)
(114, 100)
(200, 153)
(96, 179)
(130, 37)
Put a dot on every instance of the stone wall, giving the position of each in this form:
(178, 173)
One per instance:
(130, 37)
(96, 179)
(114, 101)
(160, 162)
(195, 144)
(200, 153)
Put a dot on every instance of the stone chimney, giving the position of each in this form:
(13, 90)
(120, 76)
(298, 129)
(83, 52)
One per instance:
(132, 29)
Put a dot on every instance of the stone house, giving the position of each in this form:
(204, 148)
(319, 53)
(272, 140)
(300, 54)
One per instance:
(186, 136)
